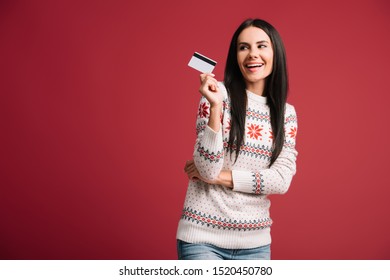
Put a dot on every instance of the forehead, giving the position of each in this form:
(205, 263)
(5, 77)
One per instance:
(253, 34)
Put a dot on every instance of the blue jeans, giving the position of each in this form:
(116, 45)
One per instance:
(191, 251)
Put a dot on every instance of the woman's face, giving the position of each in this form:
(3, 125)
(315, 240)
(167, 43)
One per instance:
(254, 56)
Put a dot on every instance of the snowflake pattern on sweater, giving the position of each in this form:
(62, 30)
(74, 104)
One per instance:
(235, 218)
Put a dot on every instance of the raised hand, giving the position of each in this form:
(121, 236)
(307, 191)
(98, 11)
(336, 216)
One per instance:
(210, 90)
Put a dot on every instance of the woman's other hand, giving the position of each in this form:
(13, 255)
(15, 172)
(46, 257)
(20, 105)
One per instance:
(191, 170)
(224, 179)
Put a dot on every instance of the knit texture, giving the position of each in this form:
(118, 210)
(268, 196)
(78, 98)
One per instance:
(237, 218)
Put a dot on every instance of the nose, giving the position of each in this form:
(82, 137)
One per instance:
(253, 53)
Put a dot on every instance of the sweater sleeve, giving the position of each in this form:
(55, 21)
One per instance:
(277, 178)
(208, 151)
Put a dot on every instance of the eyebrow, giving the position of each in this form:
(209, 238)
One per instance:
(262, 41)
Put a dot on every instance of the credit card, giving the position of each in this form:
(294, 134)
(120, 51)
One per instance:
(202, 63)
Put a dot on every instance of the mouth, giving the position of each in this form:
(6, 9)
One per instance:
(254, 66)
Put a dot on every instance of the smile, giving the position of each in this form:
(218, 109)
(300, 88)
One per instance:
(254, 65)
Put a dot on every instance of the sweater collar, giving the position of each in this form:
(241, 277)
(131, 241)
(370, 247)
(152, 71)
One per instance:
(256, 98)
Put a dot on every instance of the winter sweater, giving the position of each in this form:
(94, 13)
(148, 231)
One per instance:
(237, 218)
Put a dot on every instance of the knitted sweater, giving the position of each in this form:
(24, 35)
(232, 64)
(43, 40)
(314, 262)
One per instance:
(237, 218)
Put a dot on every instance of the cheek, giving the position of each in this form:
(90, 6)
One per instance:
(269, 59)
(270, 56)
(240, 58)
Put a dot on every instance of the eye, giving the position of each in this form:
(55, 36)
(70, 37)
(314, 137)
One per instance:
(261, 46)
(243, 47)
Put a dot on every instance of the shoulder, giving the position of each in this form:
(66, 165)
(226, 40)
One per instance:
(290, 114)
(290, 109)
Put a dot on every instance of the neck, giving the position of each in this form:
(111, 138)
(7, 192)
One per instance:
(256, 88)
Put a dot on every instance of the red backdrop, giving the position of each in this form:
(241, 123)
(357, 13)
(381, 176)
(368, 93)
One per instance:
(98, 113)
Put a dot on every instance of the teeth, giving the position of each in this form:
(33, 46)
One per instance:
(254, 65)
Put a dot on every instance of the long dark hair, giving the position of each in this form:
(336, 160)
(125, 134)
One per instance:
(276, 88)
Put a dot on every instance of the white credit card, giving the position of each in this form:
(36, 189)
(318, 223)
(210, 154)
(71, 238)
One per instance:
(202, 63)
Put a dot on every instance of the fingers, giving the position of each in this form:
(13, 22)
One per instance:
(193, 174)
(210, 89)
(205, 75)
(188, 162)
(208, 82)
(191, 170)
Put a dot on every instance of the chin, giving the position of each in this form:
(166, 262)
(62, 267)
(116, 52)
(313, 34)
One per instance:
(255, 80)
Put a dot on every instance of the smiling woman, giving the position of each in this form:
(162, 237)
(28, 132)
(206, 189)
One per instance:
(242, 153)
(255, 57)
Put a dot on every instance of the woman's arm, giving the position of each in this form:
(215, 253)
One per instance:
(273, 180)
(213, 94)
(208, 150)
(224, 178)
(277, 178)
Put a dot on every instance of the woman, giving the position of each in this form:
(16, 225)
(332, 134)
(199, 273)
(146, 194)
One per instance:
(244, 151)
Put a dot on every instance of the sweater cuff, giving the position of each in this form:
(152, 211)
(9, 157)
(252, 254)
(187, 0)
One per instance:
(247, 182)
(212, 140)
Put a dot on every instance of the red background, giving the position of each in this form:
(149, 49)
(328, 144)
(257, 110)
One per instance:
(98, 114)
